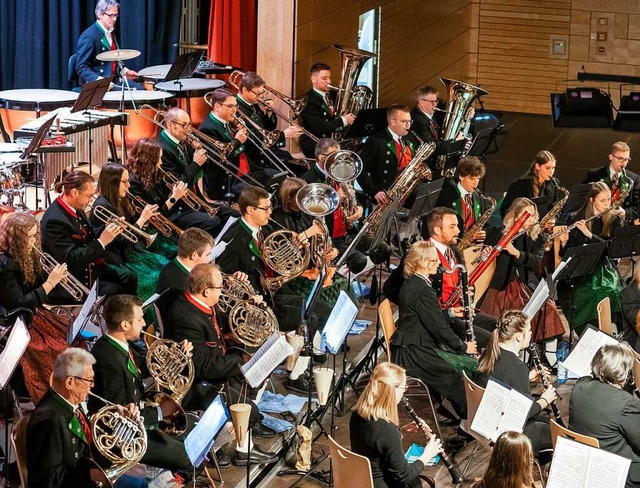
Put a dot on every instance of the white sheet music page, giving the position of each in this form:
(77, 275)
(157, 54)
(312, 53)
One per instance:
(577, 465)
(515, 413)
(201, 438)
(541, 293)
(14, 349)
(266, 359)
(579, 361)
(84, 313)
(490, 410)
(339, 323)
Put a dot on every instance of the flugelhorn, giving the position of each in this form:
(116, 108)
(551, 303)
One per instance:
(160, 222)
(129, 231)
(70, 284)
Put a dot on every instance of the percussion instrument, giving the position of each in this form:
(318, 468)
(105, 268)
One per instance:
(17, 107)
(189, 93)
(118, 55)
(13, 172)
(139, 127)
(153, 74)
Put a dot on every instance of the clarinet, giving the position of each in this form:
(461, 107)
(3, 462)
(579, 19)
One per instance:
(544, 379)
(456, 477)
(469, 311)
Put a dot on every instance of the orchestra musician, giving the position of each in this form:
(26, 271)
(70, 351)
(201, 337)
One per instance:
(630, 301)
(514, 278)
(319, 115)
(220, 125)
(69, 237)
(600, 407)
(422, 330)
(385, 154)
(338, 223)
(537, 182)
(511, 463)
(118, 379)
(500, 361)
(618, 178)
(143, 163)
(604, 281)
(375, 432)
(424, 123)
(192, 317)
(100, 38)
(58, 433)
(113, 184)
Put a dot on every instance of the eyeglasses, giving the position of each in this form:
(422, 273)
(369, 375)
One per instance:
(183, 124)
(260, 93)
(266, 209)
(429, 101)
(219, 287)
(113, 16)
(404, 122)
(88, 381)
(624, 160)
(230, 105)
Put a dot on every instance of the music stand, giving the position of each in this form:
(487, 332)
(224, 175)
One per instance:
(33, 147)
(183, 66)
(426, 198)
(577, 196)
(368, 121)
(542, 204)
(625, 242)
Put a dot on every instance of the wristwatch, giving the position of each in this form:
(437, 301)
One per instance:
(172, 200)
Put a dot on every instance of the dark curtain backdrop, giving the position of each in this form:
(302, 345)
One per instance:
(233, 33)
(37, 37)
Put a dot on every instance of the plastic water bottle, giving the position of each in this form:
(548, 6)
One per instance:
(561, 355)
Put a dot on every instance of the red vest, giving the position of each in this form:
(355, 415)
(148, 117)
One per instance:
(449, 280)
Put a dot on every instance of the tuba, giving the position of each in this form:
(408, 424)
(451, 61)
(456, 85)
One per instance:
(344, 167)
(352, 97)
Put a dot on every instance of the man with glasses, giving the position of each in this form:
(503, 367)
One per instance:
(386, 153)
(616, 175)
(97, 39)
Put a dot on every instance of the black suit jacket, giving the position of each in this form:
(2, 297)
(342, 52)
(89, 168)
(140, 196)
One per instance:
(380, 162)
(630, 307)
(268, 122)
(14, 291)
(172, 276)
(421, 126)
(178, 159)
(71, 240)
(315, 118)
(523, 187)
(54, 445)
(116, 251)
(632, 203)
(188, 321)
(610, 415)
(450, 197)
(91, 43)
(238, 256)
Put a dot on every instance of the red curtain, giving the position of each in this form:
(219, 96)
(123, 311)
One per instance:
(233, 33)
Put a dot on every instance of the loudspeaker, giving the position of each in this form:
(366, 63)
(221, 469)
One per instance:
(581, 107)
(628, 121)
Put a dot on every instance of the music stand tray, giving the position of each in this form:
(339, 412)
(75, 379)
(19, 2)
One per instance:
(583, 260)
(183, 66)
(91, 95)
(426, 198)
(625, 242)
(577, 197)
(368, 121)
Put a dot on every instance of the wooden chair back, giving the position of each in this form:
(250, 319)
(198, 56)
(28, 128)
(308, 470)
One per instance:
(388, 324)
(559, 431)
(350, 470)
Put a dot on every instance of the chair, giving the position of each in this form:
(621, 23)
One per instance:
(19, 444)
(473, 394)
(604, 316)
(385, 314)
(559, 431)
(349, 469)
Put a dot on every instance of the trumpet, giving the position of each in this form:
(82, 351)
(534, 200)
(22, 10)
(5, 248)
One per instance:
(160, 222)
(129, 231)
(190, 199)
(70, 284)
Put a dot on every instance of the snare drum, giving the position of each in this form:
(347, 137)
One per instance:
(139, 126)
(190, 93)
(17, 107)
(153, 74)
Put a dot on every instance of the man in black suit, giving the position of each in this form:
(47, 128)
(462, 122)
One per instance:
(320, 116)
(338, 223)
(619, 179)
(220, 125)
(58, 433)
(118, 379)
(189, 165)
(192, 317)
(69, 237)
(99, 38)
(425, 125)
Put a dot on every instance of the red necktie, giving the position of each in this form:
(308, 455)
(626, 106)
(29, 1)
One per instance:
(113, 48)
(84, 424)
(404, 154)
(243, 163)
(469, 217)
(434, 129)
(330, 106)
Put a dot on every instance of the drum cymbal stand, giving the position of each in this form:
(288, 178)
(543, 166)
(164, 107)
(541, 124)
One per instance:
(125, 83)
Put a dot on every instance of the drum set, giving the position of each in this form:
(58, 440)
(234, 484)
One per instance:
(15, 172)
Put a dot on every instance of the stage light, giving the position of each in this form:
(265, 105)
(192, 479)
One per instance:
(581, 107)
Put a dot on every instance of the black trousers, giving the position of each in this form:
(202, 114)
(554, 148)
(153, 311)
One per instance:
(483, 325)
(166, 452)
(288, 310)
(356, 261)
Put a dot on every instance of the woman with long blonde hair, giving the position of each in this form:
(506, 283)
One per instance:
(375, 433)
(510, 465)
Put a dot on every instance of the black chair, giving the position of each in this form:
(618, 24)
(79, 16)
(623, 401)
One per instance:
(72, 74)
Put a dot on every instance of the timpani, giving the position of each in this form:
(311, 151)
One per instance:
(189, 93)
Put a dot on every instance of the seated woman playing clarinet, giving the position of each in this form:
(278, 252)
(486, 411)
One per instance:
(514, 279)
(423, 333)
(500, 361)
(595, 222)
(113, 184)
(375, 433)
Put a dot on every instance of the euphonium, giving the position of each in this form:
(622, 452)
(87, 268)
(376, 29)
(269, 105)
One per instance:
(70, 284)
(160, 222)
(344, 167)
(467, 238)
(129, 231)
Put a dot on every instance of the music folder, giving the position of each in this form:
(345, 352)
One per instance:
(17, 343)
(266, 359)
(200, 440)
(579, 360)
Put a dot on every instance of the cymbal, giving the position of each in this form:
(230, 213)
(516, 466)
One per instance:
(118, 55)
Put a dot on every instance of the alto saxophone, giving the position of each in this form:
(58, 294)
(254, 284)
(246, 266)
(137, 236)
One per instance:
(467, 238)
(551, 215)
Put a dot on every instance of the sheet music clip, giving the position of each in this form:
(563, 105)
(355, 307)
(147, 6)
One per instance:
(583, 260)
(625, 242)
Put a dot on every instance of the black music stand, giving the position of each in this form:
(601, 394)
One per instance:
(543, 204)
(625, 243)
(183, 66)
(577, 196)
(426, 199)
(368, 121)
(32, 148)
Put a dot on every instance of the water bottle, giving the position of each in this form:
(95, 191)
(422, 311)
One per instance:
(561, 355)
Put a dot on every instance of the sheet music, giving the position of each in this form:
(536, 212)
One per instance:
(577, 465)
(201, 438)
(266, 359)
(515, 413)
(14, 349)
(83, 316)
(229, 223)
(340, 321)
(579, 361)
(150, 300)
(541, 292)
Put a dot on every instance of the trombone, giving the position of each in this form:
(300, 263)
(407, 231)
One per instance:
(190, 199)
(70, 284)
(160, 222)
(129, 231)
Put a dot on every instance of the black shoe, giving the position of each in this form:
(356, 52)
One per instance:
(224, 460)
(258, 456)
(319, 358)
(301, 384)
(261, 431)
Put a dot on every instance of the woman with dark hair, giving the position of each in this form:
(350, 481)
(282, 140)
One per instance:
(510, 465)
(113, 184)
(537, 182)
(583, 295)
(630, 309)
(514, 279)
(500, 361)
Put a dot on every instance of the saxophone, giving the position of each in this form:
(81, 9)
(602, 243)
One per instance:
(551, 215)
(467, 238)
